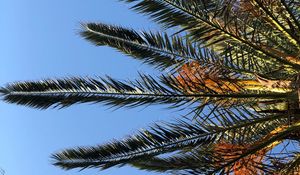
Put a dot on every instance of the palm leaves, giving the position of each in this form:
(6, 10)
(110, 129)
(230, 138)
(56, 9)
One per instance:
(139, 150)
(66, 92)
(161, 139)
(155, 49)
(232, 67)
(214, 24)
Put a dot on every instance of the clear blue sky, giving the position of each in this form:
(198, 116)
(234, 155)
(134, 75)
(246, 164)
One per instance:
(39, 40)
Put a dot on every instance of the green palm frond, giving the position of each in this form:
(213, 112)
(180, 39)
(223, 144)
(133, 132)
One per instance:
(277, 17)
(201, 160)
(156, 49)
(160, 139)
(292, 8)
(163, 51)
(204, 160)
(65, 92)
(250, 125)
(213, 22)
(197, 161)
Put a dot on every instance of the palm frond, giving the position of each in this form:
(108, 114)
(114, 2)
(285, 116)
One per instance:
(275, 139)
(292, 167)
(160, 139)
(291, 15)
(200, 161)
(214, 23)
(66, 92)
(157, 49)
(204, 160)
(163, 51)
(273, 15)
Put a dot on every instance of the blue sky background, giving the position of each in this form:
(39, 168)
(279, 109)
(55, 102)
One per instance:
(39, 40)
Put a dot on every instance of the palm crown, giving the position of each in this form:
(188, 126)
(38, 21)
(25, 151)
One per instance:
(234, 64)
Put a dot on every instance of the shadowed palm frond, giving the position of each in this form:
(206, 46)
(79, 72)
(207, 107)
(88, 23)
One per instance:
(160, 139)
(292, 167)
(275, 14)
(65, 92)
(157, 49)
(200, 161)
(227, 26)
(222, 157)
(161, 50)
(165, 52)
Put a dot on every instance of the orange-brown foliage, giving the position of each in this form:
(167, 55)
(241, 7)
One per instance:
(246, 165)
(195, 78)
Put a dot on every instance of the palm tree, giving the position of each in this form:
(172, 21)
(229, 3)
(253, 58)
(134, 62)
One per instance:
(232, 66)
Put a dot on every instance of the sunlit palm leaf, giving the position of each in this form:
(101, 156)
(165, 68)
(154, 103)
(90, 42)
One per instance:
(65, 92)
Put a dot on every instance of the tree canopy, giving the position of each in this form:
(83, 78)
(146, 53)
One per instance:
(231, 66)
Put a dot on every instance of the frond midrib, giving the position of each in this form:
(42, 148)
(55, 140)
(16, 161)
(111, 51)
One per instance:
(175, 95)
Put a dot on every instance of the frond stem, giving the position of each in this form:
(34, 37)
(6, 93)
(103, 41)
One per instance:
(93, 92)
